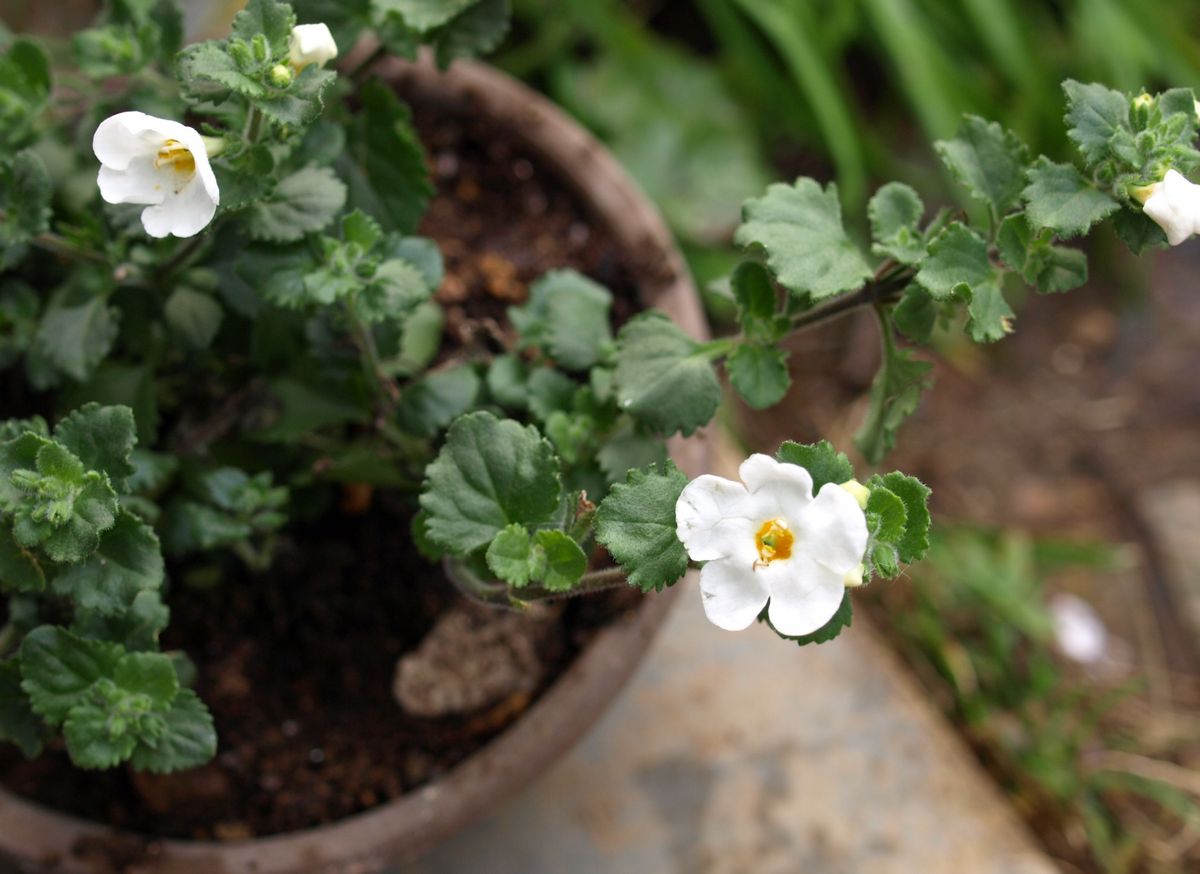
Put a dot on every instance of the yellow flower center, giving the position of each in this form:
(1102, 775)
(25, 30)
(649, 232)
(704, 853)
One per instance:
(774, 540)
(178, 157)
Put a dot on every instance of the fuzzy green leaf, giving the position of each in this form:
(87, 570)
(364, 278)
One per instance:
(271, 18)
(895, 394)
(507, 381)
(560, 560)
(18, 723)
(988, 161)
(306, 201)
(75, 338)
(895, 212)
(991, 317)
(664, 378)
(25, 192)
(384, 164)
(823, 463)
(425, 15)
(1094, 114)
(102, 438)
(510, 556)
(567, 315)
(800, 228)
(189, 738)
(127, 562)
(1059, 198)
(20, 570)
(957, 258)
(194, 317)
(636, 523)
(916, 314)
(60, 668)
(431, 403)
(913, 545)
(759, 373)
(489, 474)
(475, 32)
(627, 448)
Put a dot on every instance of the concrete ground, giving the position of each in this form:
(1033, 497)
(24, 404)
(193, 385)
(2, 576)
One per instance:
(739, 752)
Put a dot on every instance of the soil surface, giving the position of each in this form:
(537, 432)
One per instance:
(298, 665)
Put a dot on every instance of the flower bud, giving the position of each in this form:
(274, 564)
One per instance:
(241, 54)
(261, 48)
(854, 577)
(1143, 101)
(857, 491)
(281, 75)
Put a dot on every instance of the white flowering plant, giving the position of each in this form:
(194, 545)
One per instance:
(209, 252)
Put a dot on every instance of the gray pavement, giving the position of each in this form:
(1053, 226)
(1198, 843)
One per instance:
(738, 752)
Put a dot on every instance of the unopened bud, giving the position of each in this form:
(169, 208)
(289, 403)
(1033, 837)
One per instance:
(262, 48)
(1142, 101)
(854, 577)
(281, 75)
(857, 491)
(240, 52)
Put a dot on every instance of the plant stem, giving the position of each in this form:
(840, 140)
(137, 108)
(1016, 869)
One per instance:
(61, 246)
(182, 254)
(369, 355)
(494, 593)
(8, 636)
(253, 125)
(878, 291)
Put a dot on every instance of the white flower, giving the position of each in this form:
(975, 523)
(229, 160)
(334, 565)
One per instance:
(161, 163)
(769, 539)
(1175, 204)
(1078, 631)
(311, 44)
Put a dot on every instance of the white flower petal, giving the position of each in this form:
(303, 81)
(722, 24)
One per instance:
(733, 592)
(711, 518)
(311, 44)
(804, 594)
(832, 530)
(140, 182)
(128, 145)
(183, 215)
(778, 489)
(1174, 204)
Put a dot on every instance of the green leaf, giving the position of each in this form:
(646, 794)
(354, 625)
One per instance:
(1059, 198)
(477, 31)
(886, 515)
(425, 15)
(841, 620)
(1094, 114)
(507, 382)
(664, 378)
(756, 300)
(19, 308)
(208, 73)
(18, 723)
(194, 317)
(915, 495)
(91, 741)
(395, 290)
(102, 438)
(636, 523)
(895, 394)
(189, 739)
(800, 228)
(306, 201)
(916, 314)
(627, 448)
(76, 338)
(991, 317)
(823, 463)
(384, 164)
(271, 18)
(148, 673)
(510, 556)
(25, 192)
(567, 315)
(895, 214)
(759, 373)
(24, 91)
(430, 404)
(20, 570)
(489, 474)
(301, 102)
(128, 562)
(1138, 231)
(549, 391)
(1050, 268)
(136, 628)
(956, 258)
(56, 504)
(60, 668)
(305, 407)
(988, 161)
(560, 560)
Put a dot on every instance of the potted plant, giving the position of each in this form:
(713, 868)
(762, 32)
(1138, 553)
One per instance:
(247, 377)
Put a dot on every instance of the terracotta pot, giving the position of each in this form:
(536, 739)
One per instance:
(38, 839)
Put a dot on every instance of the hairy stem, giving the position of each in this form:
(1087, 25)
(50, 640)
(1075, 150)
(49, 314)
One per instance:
(878, 291)
(494, 593)
(58, 245)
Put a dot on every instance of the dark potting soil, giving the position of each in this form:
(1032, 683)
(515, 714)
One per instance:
(297, 664)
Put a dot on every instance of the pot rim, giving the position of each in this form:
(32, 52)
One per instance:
(407, 827)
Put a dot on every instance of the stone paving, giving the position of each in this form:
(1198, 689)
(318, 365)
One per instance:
(735, 752)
